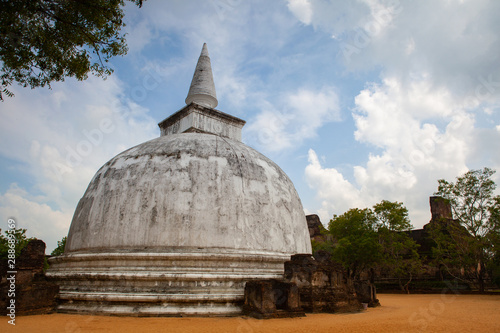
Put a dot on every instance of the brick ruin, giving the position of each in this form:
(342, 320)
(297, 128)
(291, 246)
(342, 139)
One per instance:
(33, 293)
(440, 213)
(317, 231)
(311, 284)
(431, 277)
(322, 285)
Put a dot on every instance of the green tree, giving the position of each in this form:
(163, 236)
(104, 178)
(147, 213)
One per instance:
(494, 265)
(356, 243)
(399, 251)
(21, 241)
(356, 247)
(318, 246)
(467, 245)
(392, 216)
(59, 250)
(42, 41)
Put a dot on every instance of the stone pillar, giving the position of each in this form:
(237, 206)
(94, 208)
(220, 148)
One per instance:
(316, 228)
(440, 208)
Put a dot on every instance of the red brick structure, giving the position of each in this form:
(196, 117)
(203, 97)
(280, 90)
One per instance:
(33, 293)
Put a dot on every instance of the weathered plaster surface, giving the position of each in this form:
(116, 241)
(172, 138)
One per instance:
(190, 190)
(202, 89)
(199, 119)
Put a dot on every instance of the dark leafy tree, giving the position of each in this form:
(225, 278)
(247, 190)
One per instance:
(318, 246)
(466, 246)
(356, 241)
(21, 240)
(59, 250)
(356, 247)
(494, 237)
(43, 41)
(399, 251)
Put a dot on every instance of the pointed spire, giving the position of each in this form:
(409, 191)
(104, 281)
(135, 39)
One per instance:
(202, 90)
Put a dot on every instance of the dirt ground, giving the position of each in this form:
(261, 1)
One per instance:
(398, 313)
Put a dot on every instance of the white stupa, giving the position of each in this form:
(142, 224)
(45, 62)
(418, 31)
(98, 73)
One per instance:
(178, 224)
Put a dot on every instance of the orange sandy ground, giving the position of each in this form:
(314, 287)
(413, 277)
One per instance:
(398, 313)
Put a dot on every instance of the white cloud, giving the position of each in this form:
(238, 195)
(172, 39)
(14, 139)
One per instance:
(406, 37)
(40, 219)
(334, 191)
(138, 35)
(67, 134)
(423, 134)
(301, 9)
(303, 113)
(401, 122)
(436, 80)
(403, 110)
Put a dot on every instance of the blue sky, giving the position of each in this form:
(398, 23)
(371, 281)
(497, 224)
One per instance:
(357, 101)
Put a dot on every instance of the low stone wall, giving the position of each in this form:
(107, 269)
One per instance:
(322, 284)
(33, 293)
(310, 285)
(272, 299)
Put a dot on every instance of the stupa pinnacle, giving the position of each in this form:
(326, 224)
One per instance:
(202, 89)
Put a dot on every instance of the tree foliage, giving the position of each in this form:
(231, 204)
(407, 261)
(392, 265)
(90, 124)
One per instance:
(59, 250)
(42, 41)
(472, 201)
(20, 238)
(357, 246)
(466, 246)
(365, 239)
(392, 216)
(399, 251)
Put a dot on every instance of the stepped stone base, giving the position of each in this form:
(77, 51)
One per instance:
(189, 283)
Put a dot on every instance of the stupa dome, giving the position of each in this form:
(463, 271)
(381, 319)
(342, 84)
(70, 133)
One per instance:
(190, 191)
(177, 225)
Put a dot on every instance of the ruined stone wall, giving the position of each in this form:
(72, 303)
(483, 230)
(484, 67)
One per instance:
(316, 228)
(272, 299)
(323, 285)
(310, 285)
(33, 293)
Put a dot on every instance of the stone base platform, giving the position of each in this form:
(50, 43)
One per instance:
(179, 282)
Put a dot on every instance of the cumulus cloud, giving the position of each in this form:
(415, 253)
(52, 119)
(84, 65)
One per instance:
(408, 39)
(431, 114)
(301, 9)
(67, 134)
(415, 151)
(300, 116)
(41, 220)
(333, 190)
